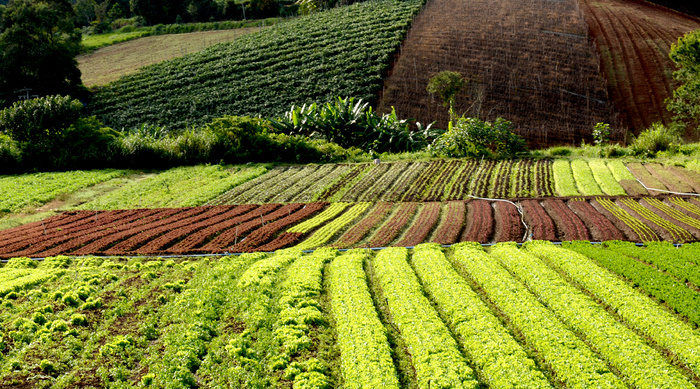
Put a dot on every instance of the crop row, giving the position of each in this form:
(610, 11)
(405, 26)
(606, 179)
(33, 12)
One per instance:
(268, 227)
(617, 344)
(21, 191)
(533, 317)
(459, 180)
(179, 187)
(410, 182)
(435, 355)
(343, 52)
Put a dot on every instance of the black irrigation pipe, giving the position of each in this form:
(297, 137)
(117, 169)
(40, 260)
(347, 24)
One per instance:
(226, 254)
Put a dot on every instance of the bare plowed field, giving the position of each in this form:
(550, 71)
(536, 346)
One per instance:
(269, 227)
(634, 39)
(530, 62)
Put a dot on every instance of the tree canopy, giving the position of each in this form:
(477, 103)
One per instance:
(686, 98)
(38, 46)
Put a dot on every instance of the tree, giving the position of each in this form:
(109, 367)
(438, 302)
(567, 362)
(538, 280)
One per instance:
(85, 11)
(38, 46)
(686, 98)
(447, 85)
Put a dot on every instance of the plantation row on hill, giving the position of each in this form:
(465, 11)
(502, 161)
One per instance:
(537, 317)
(270, 227)
(341, 52)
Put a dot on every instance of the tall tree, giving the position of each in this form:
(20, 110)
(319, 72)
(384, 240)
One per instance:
(38, 46)
(686, 98)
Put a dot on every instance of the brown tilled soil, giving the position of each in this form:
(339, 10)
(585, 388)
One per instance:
(634, 39)
(531, 62)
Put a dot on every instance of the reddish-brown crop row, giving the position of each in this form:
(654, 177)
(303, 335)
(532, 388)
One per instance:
(393, 227)
(357, 232)
(248, 228)
(453, 216)
(267, 232)
(570, 226)
(479, 222)
(541, 225)
(422, 225)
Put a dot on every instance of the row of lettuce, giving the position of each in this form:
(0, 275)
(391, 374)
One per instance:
(437, 180)
(425, 318)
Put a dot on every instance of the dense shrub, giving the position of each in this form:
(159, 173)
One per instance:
(229, 139)
(10, 155)
(656, 138)
(473, 137)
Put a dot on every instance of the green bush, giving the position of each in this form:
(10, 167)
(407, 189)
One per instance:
(39, 122)
(10, 155)
(656, 138)
(48, 134)
(473, 137)
(561, 151)
(352, 123)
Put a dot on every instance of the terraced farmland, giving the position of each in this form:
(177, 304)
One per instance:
(343, 52)
(555, 317)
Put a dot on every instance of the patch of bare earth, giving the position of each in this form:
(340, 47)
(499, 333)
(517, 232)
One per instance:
(530, 61)
(634, 39)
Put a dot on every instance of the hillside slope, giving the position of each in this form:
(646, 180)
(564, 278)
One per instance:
(634, 39)
(530, 61)
(113, 62)
(341, 52)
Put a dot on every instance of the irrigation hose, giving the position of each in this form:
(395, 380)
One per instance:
(661, 190)
(517, 206)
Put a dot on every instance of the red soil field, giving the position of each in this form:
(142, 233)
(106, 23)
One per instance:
(634, 39)
(530, 61)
